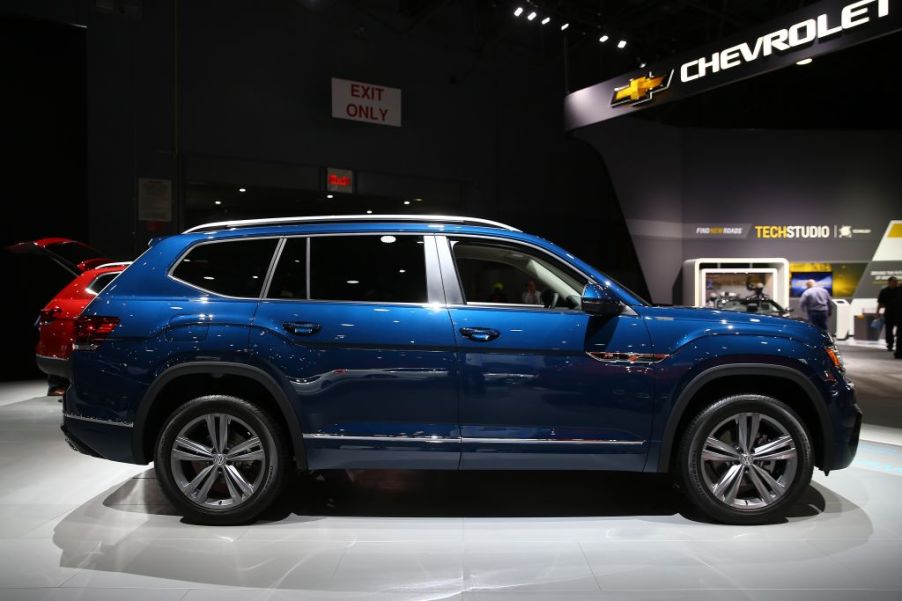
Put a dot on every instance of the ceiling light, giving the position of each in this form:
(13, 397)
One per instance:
(387, 239)
(353, 282)
(621, 44)
(330, 196)
(546, 20)
(402, 271)
(369, 212)
(604, 38)
(565, 26)
(407, 202)
(242, 189)
(217, 202)
(641, 65)
(519, 11)
(805, 61)
(531, 16)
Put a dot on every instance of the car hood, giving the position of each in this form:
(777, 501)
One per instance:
(672, 327)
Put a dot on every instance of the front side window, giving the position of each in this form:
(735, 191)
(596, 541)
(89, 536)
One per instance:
(232, 268)
(508, 274)
(370, 268)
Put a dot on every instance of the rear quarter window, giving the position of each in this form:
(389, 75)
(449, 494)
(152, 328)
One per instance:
(232, 268)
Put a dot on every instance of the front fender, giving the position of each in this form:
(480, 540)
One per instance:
(706, 359)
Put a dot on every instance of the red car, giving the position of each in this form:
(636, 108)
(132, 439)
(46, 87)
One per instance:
(56, 322)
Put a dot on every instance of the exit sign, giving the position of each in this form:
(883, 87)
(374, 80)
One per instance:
(339, 180)
(367, 102)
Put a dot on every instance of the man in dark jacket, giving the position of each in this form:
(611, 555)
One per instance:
(890, 302)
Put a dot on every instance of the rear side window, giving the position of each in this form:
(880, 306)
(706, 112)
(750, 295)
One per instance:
(101, 282)
(377, 268)
(290, 278)
(233, 268)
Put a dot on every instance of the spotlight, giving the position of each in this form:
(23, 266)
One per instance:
(242, 189)
(565, 26)
(519, 11)
(531, 16)
(604, 38)
(621, 44)
(642, 65)
(805, 61)
(546, 20)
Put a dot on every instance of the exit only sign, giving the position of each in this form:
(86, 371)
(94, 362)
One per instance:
(367, 102)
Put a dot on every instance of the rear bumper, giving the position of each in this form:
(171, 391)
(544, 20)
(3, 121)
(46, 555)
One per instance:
(54, 366)
(109, 440)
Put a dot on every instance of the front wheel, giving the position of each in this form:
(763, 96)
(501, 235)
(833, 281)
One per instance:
(221, 460)
(745, 459)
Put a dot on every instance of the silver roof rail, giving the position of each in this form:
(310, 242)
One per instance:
(218, 225)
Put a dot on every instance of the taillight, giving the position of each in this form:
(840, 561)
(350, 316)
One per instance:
(92, 329)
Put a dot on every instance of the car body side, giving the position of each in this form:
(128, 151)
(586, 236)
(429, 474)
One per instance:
(175, 333)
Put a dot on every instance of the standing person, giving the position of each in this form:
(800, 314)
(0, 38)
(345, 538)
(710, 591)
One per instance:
(886, 301)
(815, 301)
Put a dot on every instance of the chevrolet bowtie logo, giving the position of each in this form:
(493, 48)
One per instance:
(641, 89)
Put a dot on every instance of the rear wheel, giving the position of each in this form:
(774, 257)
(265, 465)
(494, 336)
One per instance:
(746, 459)
(221, 460)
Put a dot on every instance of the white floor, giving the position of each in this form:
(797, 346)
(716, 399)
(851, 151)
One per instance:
(73, 527)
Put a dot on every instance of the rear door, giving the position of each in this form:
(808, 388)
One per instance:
(357, 322)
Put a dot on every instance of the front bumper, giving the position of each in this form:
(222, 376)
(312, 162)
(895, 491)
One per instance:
(846, 434)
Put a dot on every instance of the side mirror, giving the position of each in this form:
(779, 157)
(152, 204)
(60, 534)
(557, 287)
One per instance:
(596, 301)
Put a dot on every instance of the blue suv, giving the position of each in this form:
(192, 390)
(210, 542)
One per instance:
(237, 350)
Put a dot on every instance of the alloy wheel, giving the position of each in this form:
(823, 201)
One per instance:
(217, 461)
(748, 461)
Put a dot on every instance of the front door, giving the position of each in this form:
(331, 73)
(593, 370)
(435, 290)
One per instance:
(532, 395)
(358, 324)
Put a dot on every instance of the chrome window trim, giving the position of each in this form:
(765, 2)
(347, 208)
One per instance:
(271, 270)
(97, 420)
(470, 440)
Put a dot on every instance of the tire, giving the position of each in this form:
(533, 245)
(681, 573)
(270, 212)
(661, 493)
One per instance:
(725, 480)
(221, 484)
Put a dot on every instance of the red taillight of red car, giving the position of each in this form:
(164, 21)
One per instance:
(92, 329)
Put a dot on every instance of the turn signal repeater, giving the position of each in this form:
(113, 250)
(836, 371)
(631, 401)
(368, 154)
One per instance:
(91, 330)
(836, 358)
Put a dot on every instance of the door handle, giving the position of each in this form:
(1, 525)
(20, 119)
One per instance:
(301, 328)
(480, 334)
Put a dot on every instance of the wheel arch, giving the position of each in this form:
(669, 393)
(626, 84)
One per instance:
(148, 422)
(752, 378)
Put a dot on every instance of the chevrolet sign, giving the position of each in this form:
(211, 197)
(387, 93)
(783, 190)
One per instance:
(797, 35)
(814, 30)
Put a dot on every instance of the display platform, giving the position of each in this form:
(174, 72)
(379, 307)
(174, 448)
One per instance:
(73, 527)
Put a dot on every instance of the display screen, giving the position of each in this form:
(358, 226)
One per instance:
(797, 282)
